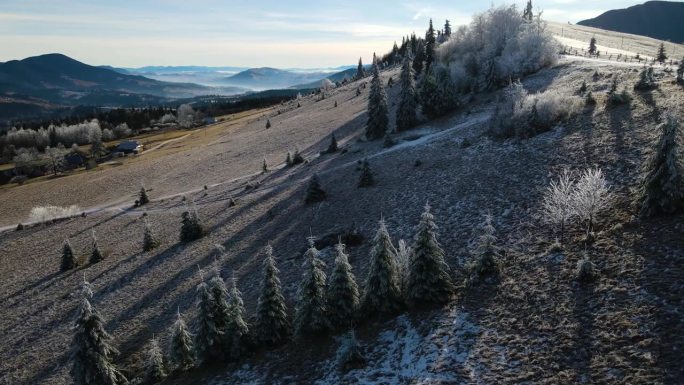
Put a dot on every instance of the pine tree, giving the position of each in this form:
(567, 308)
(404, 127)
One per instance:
(237, 328)
(662, 56)
(592, 46)
(208, 335)
(360, 73)
(428, 278)
(349, 355)
(182, 349)
(528, 14)
(486, 264)
(447, 30)
(91, 347)
(343, 293)
(191, 227)
(268, 123)
(271, 325)
(222, 314)
(332, 148)
(288, 159)
(142, 196)
(69, 260)
(437, 95)
(378, 119)
(406, 112)
(96, 256)
(429, 47)
(311, 313)
(315, 193)
(150, 242)
(662, 191)
(264, 167)
(382, 292)
(366, 179)
(154, 364)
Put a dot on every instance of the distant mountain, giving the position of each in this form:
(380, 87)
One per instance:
(662, 20)
(336, 77)
(272, 78)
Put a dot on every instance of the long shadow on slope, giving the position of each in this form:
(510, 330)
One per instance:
(620, 116)
(583, 342)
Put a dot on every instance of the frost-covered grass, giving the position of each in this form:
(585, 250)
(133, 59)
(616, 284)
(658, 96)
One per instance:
(42, 214)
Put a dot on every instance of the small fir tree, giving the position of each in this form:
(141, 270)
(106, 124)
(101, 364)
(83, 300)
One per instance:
(237, 328)
(592, 46)
(222, 315)
(349, 355)
(96, 256)
(486, 264)
(406, 112)
(311, 314)
(360, 73)
(142, 196)
(91, 347)
(315, 193)
(268, 123)
(343, 293)
(528, 14)
(150, 242)
(366, 179)
(382, 292)
(69, 260)
(271, 325)
(378, 119)
(332, 148)
(430, 44)
(264, 167)
(662, 55)
(288, 159)
(419, 58)
(182, 349)
(208, 335)
(428, 276)
(154, 364)
(191, 226)
(662, 191)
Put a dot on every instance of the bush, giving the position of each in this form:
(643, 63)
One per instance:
(585, 271)
(349, 355)
(19, 179)
(646, 81)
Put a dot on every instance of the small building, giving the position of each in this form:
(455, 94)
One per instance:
(209, 120)
(129, 147)
(74, 160)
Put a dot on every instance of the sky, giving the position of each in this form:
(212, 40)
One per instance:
(257, 33)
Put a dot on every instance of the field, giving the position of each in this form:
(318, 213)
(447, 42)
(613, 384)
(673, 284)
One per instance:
(537, 326)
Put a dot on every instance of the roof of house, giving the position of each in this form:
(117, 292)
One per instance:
(128, 145)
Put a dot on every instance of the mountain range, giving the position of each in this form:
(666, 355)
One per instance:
(662, 20)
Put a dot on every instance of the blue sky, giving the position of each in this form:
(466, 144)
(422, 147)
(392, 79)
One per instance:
(283, 33)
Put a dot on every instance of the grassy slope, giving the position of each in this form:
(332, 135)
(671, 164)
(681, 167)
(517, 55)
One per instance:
(537, 325)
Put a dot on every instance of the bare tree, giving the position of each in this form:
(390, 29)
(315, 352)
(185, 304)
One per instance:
(558, 201)
(592, 194)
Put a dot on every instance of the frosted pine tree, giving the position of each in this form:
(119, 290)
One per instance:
(208, 335)
(154, 363)
(142, 196)
(382, 292)
(430, 44)
(333, 144)
(150, 241)
(271, 325)
(96, 255)
(237, 328)
(349, 355)
(69, 260)
(378, 119)
(486, 264)
(662, 191)
(191, 226)
(360, 73)
(366, 178)
(222, 314)
(91, 347)
(343, 293)
(428, 278)
(406, 112)
(314, 192)
(182, 349)
(311, 313)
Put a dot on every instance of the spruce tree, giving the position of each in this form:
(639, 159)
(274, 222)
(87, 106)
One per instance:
(69, 260)
(486, 264)
(360, 73)
(315, 193)
(154, 364)
(208, 335)
(268, 123)
(182, 349)
(332, 148)
(592, 46)
(222, 314)
(378, 119)
(96, 256)
(191, 227)
(343, 293)
(288, 159)
(271, 326)
(528, 14)
(366, 179)
(142, 196)
(447, 30)
(264, 167)
(237, 328)
(419, 57)
(406, 111)
(662, 191)
(437, 95)
(662, 56)
(91, 347)
(150, 242)
(429, 47)
(349, 355)
(428, 276)
(382, 292)
(311, 313)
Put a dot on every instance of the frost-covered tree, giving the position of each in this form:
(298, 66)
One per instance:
(237, 329)
(69, 260)
(662, 55)
(419, 58)
(428, 278)
(186, 115)
(150, 241)
(592, 46)
(96, 255)
(662, 191)
(142, 196)
(350, 355)
(91, 347)
(406, 111)
(437, 93)
(366, 178)
(271, 326)
(191, 226)
(592, 194)
(382, 293)
(55, 157)
(447, 30)
(155, 369)
(646, 81)
(558, 205)
(403, 263)
(528, 14)
(222, 313)
(314, 192)
(182, 348)
(360, 73)
(378, 112)
(343, 293)
(429, 47)
(311, 313)
(486, 264)
(209, 333)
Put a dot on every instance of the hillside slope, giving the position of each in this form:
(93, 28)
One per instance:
(657, 19)
(536, 326)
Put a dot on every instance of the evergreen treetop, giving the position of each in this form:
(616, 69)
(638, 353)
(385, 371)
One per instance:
(662, 55)
(360, 73)
(406, 111)
(150, 242)
(378, 119)
(271, 325)
(430, 45)
(96, 256)
(311, 314)
(209, 334)
(382, 292)
(343, 293)
(142, 196)
(237, 328)
(69, 260)
(154, 364)
(182, 349)
(366, 179)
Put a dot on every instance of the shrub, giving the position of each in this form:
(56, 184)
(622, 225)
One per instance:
(585, 271)
(646, 81)
(314, 193)
(349, 355)
(19, 179)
